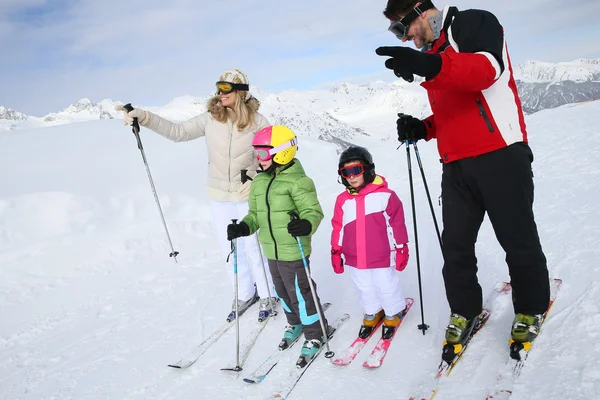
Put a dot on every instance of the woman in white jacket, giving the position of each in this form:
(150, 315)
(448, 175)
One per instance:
(229, 125)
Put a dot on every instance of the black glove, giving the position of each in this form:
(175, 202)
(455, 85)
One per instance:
(407, 62)
(235, 231)
(299, 227)
(410, 128)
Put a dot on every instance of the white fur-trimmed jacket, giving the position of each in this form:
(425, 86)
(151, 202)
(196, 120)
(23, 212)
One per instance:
(229, 151)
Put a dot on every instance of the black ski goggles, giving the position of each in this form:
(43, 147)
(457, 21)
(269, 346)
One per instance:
(228, 87)
(400, 27)
(352, 170)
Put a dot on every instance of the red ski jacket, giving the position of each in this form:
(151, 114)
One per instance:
(474, 99)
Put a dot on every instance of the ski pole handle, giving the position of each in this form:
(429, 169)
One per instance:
(136, 126)
(293, 215)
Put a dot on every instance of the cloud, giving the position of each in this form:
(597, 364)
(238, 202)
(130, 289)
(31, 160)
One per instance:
(151, 50)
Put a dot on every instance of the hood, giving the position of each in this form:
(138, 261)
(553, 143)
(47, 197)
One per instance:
(378, 183)
(213, 104)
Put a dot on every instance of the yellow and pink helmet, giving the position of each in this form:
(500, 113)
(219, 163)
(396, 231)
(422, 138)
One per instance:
(276, 141)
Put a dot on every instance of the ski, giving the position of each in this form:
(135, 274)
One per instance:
(445, 368)
(378, 354)
(291, 380)
(352, 351)
(261, 372)
(512, 369)
(195, 354)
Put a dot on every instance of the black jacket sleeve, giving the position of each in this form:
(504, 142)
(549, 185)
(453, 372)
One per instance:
(476, 31)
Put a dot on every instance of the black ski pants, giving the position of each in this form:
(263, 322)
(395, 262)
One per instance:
(292, 287)
(501, 184)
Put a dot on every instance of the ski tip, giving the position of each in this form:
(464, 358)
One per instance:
(248, 380)
(369, 366)
(174, 366)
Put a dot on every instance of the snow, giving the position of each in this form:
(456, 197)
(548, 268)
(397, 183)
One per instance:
(93, 307)
(579, 70)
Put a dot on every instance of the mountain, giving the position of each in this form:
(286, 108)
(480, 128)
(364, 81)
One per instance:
(348, 110)
(309, 121)
(580, 70)
(544, 85)
(371, 107)
(11, 119)
(82, 110)
(537, 96)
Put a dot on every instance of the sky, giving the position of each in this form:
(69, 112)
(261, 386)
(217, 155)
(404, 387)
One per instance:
(150, 51)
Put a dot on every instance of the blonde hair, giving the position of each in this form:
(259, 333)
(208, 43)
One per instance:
(242, 114)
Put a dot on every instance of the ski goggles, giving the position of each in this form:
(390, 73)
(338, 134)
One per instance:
(400, 27)
(266, 153)
(352, 170)
(263, 153)
(228, 87)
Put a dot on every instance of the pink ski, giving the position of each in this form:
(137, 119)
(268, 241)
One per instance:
(376, 357)
(355, 348)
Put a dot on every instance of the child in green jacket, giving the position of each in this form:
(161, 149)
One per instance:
(280, 189)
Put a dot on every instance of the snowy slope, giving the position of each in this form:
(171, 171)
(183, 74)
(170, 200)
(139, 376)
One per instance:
(93, 308)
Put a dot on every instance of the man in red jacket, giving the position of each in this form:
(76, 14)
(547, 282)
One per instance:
(482, 141)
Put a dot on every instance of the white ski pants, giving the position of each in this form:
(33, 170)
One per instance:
(249, 264)
(378, 289)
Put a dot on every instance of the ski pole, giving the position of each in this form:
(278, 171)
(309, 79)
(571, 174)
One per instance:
(437, 229)
(328, 354)
(237, 317)
(423, 327)
(136, 131)
(262, 261)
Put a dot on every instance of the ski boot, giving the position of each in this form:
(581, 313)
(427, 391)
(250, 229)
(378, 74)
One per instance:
(308, 352)
(242, 307)
(525, 329)
(290, 336)
(391, 322)
(370, 322)
(457, 333)
(265, 311)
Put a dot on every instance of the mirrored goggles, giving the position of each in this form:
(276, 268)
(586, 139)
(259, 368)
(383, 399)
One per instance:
(265, 153)
(228, 87)
(352, 170)
(400, 27)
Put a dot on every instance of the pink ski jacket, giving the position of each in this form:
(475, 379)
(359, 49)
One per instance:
(368, 225)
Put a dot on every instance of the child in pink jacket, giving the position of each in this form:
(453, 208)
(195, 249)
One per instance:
(369, 231)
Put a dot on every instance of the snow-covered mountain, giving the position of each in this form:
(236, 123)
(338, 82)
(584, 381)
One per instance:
(11, 119)
(82, 110)
(536, 96)
(580, 70)
(349, 110)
